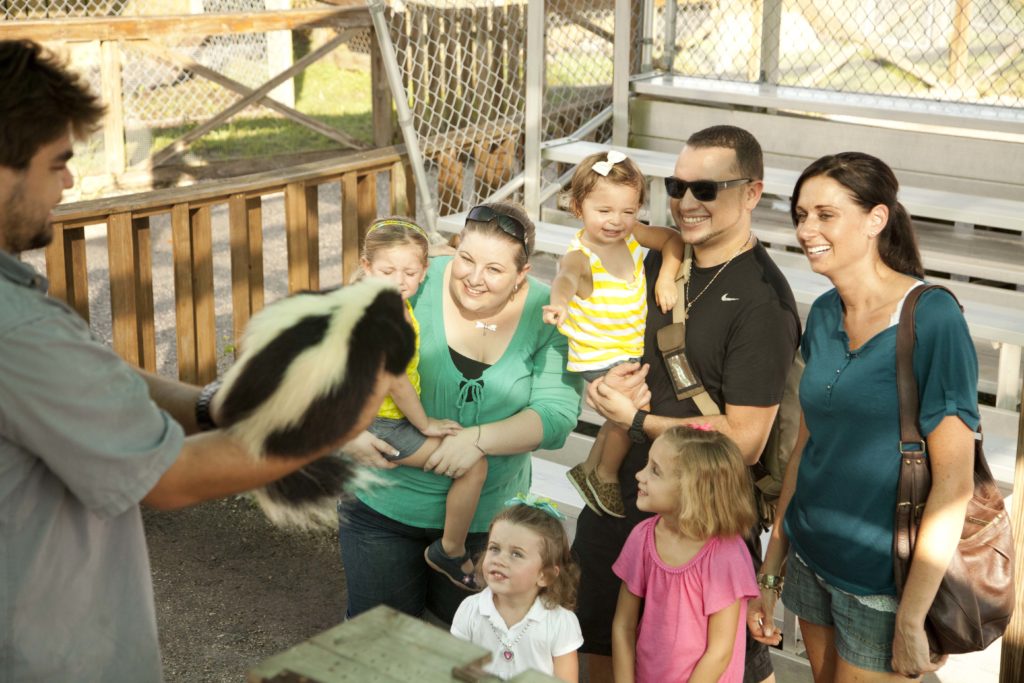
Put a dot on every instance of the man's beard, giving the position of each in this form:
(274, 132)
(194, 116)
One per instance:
(22, 231)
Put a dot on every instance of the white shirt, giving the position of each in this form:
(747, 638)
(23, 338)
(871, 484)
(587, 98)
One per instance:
(542, 635)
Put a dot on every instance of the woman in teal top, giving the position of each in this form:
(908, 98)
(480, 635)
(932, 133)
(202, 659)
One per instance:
(839, 497)
(488, 362)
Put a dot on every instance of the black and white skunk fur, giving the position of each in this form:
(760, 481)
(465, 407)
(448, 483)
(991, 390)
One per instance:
(308, 363)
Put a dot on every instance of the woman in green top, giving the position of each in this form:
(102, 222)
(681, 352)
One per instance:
(488, 362)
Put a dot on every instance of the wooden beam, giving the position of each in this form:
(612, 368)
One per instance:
(143, 28)
(217, 191)
(184, 308)
(296, 236)
(201, 227)
(220, 79)
(255, 96)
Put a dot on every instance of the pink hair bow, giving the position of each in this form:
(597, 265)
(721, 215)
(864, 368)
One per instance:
(702, 427)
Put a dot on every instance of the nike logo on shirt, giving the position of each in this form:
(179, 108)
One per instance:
(726, 297)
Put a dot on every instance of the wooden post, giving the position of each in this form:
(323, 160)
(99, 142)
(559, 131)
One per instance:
(123, 309)
(383, 115)
(296, 236)
(350, 244)
(111, 93)
(56, 265)
(66, 268)
(184, 310)
(279, 56)
(241, 291)
(143, 249)
(1011, 665)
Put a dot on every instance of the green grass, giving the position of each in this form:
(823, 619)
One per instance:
(337, 97)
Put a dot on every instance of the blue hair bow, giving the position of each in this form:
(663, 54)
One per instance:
(539, 502)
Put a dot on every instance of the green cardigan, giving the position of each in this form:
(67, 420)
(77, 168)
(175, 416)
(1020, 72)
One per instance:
(530, 374)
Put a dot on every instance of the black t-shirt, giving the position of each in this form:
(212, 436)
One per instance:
(741, 337)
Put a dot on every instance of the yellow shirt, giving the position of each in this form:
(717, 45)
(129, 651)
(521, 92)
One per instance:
(388, 408)
(608, 326)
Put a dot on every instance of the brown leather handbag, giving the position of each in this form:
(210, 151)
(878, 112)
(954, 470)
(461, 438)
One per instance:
(975, 599)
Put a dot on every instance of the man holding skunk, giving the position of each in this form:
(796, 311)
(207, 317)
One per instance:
(84, 438)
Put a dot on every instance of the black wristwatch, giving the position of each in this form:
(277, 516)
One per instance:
(203, 417)
(636, 430)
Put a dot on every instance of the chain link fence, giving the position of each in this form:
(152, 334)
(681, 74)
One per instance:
(463, 65)
(964, 51)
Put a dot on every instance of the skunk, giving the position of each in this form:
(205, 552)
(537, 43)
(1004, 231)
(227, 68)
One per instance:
(307, 365)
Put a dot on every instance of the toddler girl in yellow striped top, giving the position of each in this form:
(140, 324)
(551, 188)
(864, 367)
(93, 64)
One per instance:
(599, 299)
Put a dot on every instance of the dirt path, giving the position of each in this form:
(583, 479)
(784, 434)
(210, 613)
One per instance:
(231, 590)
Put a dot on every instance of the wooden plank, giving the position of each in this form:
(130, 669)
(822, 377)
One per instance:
(296, 236)
(111, 94)
(123, 310)
(202, 291)
(217, 191)
(350, 243)
(56, 265)
(410, 188)
(254, 208)
(144, 306)
(184, 311)
(177, 146)
(366, 194)
(212, 24)
(313, 234)
(241, 293)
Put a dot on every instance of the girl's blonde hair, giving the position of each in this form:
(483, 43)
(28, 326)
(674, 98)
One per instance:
(561, 571)
(716, 496)
(393, 231)
(625, 172)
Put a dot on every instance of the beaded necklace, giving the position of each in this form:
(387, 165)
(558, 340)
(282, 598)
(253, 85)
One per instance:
(507, 653)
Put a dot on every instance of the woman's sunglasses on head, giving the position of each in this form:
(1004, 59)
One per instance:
(703, 190)
(509, 225)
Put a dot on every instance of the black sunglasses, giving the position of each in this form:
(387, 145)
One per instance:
(509, 225)
(703, 190)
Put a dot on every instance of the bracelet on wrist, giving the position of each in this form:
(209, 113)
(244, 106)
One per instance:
(476, 444)
(204, 419)
(771, 582)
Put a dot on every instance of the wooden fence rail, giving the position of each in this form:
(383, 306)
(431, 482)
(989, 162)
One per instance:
(129, 245)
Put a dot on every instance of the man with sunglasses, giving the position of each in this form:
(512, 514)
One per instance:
(741, 333)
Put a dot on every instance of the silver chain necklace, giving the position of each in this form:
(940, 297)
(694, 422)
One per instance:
(686, 287)
(507, 653)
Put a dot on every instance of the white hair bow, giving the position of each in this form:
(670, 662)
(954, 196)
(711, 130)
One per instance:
(605, 167)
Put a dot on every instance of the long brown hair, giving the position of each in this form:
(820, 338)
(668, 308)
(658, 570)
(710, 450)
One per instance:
(870, 182)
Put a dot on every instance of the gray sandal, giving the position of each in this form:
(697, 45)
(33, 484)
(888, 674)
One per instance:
(450, 566)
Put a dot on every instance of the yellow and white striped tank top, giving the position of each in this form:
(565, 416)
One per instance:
(608, 326)
(388, 408)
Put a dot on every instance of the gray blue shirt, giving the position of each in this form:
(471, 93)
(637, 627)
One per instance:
(840, 520)
(81, 443)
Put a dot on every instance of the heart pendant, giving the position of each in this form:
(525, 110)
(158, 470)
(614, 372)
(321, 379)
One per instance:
(507, 654)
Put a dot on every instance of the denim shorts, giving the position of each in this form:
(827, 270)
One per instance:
(863, 636)
(591, 375)
(400, 434)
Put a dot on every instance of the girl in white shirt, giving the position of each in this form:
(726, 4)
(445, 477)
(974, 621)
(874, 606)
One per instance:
(524, 615)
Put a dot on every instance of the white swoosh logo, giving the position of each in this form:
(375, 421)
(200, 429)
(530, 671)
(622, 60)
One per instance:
(726, 297)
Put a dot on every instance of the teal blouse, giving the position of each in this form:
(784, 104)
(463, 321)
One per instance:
(840, 520)
(530, 374)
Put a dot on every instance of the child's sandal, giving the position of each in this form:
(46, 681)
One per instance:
(608, 495)
(450, 566)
